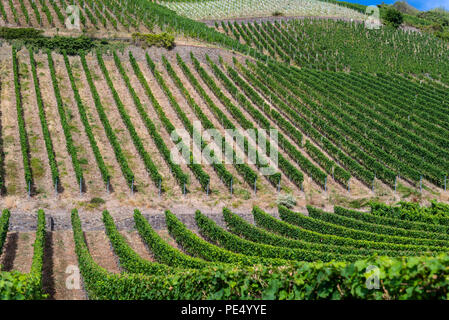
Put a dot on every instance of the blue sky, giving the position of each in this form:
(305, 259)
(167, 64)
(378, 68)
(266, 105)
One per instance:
(419, 4)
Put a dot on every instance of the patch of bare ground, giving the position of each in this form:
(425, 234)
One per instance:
(67, 176)
(101, 251)
(165, 235)
(14, 172)
(135, 242)
(18, 252)
(60, 263)
(118, 182)
(92, 175)
(42, 178)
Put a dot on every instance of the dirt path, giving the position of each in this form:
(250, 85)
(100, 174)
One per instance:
(136, 243)
(60, 263)
(18, 252)
(101, 251)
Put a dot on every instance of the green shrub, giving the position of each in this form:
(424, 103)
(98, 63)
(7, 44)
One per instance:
(163, 40)
(20, 33)
(393, 17)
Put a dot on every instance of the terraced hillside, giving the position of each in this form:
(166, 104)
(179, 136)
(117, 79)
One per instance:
(215, 10)
(90, 122)
(127, 257)
(99, 125)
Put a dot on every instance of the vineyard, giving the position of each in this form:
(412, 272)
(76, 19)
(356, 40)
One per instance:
(94, 121)
(257, 256)
(105, 121)
(215, 9)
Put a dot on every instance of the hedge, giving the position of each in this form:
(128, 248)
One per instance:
(4, 226)
(401, 278)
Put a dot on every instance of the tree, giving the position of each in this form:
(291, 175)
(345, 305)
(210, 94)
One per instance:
(393, 17)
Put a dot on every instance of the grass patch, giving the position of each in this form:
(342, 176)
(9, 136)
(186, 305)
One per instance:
(94, 203)
(242, 193)
(37, 167)
(406, 192)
